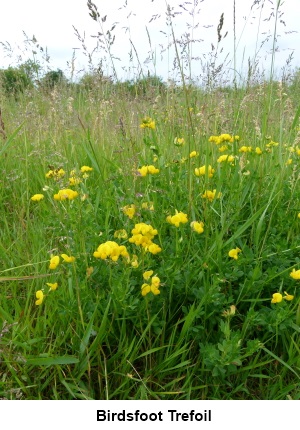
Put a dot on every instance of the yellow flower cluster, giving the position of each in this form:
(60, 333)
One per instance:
(272, 144)
(55, 174)
(245, 149)
(179, 141)
(85, 169)
(198, 227)
(295, 274)
(37, 197)
(153, 287)
(76, 178)
(148, 206)
(211, 195)
(65, 194)
(277, 297)
(228, 158)
(142, 234)
(54, 262)
(121, 234)
(201, 171)
(178, 218)
(234, 253)
(111, 250)
(144, 170)
(148, 123)
(223, 138)
(129, 210)
(68, 258)
(40, 296)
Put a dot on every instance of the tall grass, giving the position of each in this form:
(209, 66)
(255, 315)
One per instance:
(212, 332)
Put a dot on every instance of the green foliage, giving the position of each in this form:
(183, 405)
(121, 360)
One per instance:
(147, 86)
(15, 80)
(212, 331)
(53, 78)
(94, 81)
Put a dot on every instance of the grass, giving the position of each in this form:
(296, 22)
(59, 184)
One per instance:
(207, 329)
(212, 332)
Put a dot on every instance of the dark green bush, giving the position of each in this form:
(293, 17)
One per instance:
(14, 81)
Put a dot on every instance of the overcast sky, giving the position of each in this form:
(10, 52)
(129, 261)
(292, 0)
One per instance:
(51, 22)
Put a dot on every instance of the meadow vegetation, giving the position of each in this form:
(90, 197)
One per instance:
(149, 239)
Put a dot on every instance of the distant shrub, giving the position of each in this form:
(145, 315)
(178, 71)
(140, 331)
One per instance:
(150, 85)
(94, 80)
(52, 79)
(14, 81)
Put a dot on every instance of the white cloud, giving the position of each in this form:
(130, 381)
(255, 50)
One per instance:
(52, 24)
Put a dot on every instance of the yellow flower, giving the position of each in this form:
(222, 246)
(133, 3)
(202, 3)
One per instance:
(144, 170)
(197, 226)
(258, 151)
(121, 234)
(40, 297)
(49, 174)
(53, 287)
(153, 248)
(277, 298)
(154, 287)
(146, 288)
(148, 123)
(178, 218)
(289, 161)
(153, 170)
(37, 197)
(129, 210)
(210, 195)
(223, 148)
(134, 262)
(228, 158)
(111, 250)
(233, 253)
(54, 262)
(142, 234)
(288, 297)
(148, 205)
(65, 194)
(179, 141)
(201, 171)
(73, 180)
(271, 143)
(295, 274)
(225, 137)
(298, 215)
(245, 149)
(56, 174)
(147, 275)
(193, 154)
(155, 281)
(67, 258)
(84, 169)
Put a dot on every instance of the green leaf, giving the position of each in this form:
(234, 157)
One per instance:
(52, 361)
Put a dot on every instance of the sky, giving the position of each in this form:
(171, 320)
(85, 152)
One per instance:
(143, 38)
